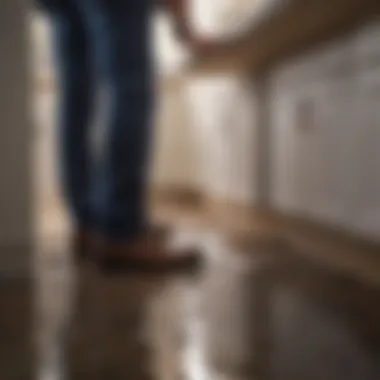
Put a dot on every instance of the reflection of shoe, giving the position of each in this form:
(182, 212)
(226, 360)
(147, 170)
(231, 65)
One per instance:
(148, 252)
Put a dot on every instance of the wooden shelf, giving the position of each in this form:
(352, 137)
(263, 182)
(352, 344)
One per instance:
(293, 29)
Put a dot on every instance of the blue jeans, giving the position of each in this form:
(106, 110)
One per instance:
(104, 44)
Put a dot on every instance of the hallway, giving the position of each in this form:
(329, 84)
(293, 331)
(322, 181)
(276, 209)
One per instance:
(309, 311)
(275, 299)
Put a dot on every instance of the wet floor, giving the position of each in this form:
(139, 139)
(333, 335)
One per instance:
(257, 316)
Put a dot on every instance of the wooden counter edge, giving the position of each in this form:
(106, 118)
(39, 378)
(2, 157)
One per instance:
(292, 30)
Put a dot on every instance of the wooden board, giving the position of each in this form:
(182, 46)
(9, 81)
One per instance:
(297, 27)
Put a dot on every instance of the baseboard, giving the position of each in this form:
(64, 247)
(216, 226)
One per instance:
(320, 228)
(188, 196)
(347, 252)
(329, 245)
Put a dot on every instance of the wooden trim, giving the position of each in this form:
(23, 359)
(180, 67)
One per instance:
(332, 246)
(188, 196)
(329, 231)
(347, 252)
(294, 29)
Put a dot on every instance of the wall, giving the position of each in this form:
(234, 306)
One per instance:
(326, 133)
(224, 109)
(176, 163)
(16, 132)
(207, 128)
(223, 119)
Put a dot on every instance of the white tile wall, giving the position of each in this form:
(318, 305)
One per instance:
(176, 160)
(366, 168)
(223, 119)
(329, 170)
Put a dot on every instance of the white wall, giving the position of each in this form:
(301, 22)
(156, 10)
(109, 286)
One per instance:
(223, 108)
(176, 162)
(328, 169)
(223, 119)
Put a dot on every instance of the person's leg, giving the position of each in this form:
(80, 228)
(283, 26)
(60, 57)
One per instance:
(120, 33)
(75, 98)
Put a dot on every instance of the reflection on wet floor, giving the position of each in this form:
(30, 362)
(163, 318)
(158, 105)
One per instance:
(16, 359)
(267, 315)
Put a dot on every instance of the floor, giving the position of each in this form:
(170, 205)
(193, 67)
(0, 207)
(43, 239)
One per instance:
(253, 311)
(256, 309)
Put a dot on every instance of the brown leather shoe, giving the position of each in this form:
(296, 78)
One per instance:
(149, 252)
(84, 241)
